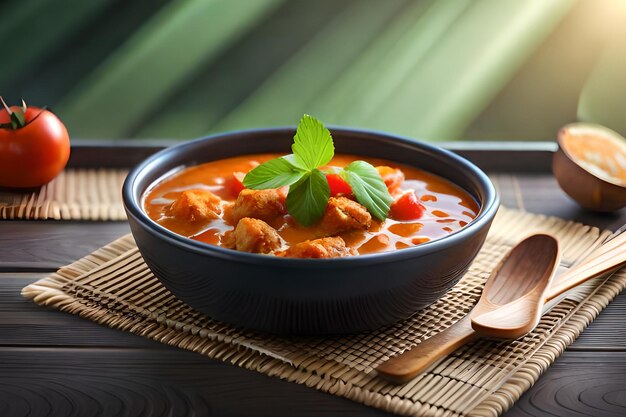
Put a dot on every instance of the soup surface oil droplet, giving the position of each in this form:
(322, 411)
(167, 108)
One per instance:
(405, 229)
(440, 213)
(376, 244)
(420, 240)
(446, 220)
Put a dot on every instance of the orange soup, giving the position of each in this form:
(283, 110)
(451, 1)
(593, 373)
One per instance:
(208, 203)
(603, 156)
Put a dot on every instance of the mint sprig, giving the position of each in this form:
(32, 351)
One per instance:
(309, 191)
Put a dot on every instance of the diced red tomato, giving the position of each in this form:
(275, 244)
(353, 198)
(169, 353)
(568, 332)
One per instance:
(407, 207)
(235, 183)
(338, 185)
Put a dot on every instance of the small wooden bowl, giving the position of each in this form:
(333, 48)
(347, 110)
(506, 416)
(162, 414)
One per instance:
(587, 182)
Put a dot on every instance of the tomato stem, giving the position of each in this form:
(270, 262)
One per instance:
(7, 108)
(17, 118)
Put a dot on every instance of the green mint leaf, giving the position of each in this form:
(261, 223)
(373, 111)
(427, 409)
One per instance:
(307, 199)
(368, 188)
(272, 174)
(313, 144)
(291, 158)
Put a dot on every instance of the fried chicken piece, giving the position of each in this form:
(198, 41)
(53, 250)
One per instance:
(327, 247)
(253, 235)
(393, 177)
(344, 215)
(196, 205)
(259, 204)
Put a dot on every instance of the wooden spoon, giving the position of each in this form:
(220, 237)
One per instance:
(515, 319)
(527, 269)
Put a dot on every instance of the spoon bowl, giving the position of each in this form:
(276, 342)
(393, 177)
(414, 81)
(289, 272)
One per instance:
(519, 316)
(519, 282)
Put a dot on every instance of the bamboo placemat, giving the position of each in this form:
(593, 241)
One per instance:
(113, 286)
(76, 194)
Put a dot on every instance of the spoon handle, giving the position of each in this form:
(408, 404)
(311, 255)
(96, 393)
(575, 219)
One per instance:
(407, 365)
(607, 257)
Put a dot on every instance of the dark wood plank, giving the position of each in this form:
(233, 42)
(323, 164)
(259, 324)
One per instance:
(87, 382)
(517, 157)
(578, 384)
(540, 193)
(24, 323)
(138, 382)
(113, 154)
(48, 245)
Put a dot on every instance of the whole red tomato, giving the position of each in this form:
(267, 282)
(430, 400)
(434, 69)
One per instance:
(32, 153)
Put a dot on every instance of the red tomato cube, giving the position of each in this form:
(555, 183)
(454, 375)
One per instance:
(338, 185)
(235, 183)
(407, 207)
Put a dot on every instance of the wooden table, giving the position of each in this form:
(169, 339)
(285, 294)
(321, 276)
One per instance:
(57, 364)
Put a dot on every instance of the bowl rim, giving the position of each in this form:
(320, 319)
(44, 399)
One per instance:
(486, 213)
(591, 126)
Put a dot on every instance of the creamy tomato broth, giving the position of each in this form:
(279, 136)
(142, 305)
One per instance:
(603, 156)
(446, 208)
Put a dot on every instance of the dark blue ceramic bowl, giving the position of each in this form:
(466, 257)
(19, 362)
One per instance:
(308, 296)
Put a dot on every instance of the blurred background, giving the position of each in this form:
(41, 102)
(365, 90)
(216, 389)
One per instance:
(437, 70)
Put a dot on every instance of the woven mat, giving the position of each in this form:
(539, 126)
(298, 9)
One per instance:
(76, 194)
(113, 286)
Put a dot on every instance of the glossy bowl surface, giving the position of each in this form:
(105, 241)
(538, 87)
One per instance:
(308, 296)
